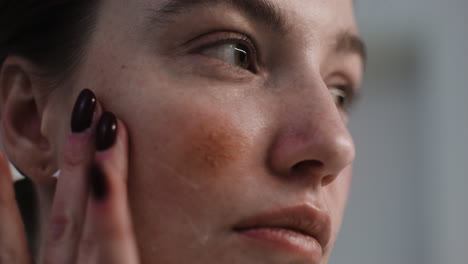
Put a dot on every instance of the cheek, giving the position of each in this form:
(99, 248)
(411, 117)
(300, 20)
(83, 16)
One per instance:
(190, 163)
(337, 198)
(338, 190)
(188, 144)
(212, 142)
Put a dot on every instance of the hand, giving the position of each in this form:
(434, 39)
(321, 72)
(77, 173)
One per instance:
(90, 219)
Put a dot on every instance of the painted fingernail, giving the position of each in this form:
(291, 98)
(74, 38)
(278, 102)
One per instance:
(106, 131)
(83, 111)
(99, 188)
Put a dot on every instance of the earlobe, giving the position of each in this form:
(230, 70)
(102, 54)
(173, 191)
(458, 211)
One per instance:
(22, 119)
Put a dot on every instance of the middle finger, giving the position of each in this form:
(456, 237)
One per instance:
(72, 187)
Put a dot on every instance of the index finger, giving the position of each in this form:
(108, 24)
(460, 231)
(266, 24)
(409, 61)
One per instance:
(69, 203)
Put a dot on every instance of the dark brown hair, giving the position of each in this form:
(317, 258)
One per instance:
(49, 33)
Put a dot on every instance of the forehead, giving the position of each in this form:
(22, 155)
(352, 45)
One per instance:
(308, 13)
(315, 14)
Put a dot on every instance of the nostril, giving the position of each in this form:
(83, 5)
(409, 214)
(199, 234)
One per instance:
(312, 169)
(307, 166)
(328, 179)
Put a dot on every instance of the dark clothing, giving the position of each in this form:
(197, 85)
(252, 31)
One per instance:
(27, 203)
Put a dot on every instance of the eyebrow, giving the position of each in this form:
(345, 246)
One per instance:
(262, 11)
(347, 42)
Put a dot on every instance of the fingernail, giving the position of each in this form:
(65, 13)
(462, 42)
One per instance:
(83, 111)
(99, 188)
(106, 131)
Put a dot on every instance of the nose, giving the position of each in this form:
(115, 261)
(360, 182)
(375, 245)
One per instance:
(312, 141)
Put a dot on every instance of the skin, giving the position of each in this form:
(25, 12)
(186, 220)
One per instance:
(209, 144)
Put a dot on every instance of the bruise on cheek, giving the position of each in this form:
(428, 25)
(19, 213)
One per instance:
(215, 143)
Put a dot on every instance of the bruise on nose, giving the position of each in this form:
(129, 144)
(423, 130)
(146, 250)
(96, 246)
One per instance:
(215, 143)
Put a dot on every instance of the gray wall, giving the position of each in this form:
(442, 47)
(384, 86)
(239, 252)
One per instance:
(409, 199)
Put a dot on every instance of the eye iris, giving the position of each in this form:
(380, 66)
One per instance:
(236, 54)
(339, 96)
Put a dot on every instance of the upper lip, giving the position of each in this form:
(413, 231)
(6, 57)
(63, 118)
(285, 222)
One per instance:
(304, 219)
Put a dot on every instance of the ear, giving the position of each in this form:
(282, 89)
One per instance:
(22, 108)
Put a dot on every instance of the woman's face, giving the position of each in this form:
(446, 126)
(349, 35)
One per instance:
(236, 112)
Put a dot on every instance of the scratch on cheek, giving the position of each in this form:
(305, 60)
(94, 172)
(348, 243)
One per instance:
(201, 235)
(180, 177)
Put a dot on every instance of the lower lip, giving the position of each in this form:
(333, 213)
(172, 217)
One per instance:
(286, 240)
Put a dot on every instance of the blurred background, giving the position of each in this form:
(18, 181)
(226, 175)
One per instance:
(409, 198)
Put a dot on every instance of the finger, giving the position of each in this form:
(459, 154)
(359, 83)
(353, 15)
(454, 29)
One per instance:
(13, 242)
(69, 205)
(108, 235)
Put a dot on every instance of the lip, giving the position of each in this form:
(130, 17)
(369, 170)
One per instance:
(300, 229)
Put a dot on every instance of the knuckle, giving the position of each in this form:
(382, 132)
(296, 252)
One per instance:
(76, 151)
(62, 227)
(72, 158)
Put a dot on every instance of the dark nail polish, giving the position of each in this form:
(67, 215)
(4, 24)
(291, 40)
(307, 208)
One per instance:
(98, 183)
(83, 111)
(106, 131)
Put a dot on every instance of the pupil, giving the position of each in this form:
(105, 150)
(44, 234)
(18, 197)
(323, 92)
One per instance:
(341, 100)
(242, 56)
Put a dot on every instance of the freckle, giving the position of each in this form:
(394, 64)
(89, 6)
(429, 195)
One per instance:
(217, 144)
(123, 67)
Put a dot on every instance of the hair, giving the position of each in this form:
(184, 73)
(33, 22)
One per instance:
(50, 33)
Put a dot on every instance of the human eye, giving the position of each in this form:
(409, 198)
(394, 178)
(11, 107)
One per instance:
(235, 51)
(342, 96)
